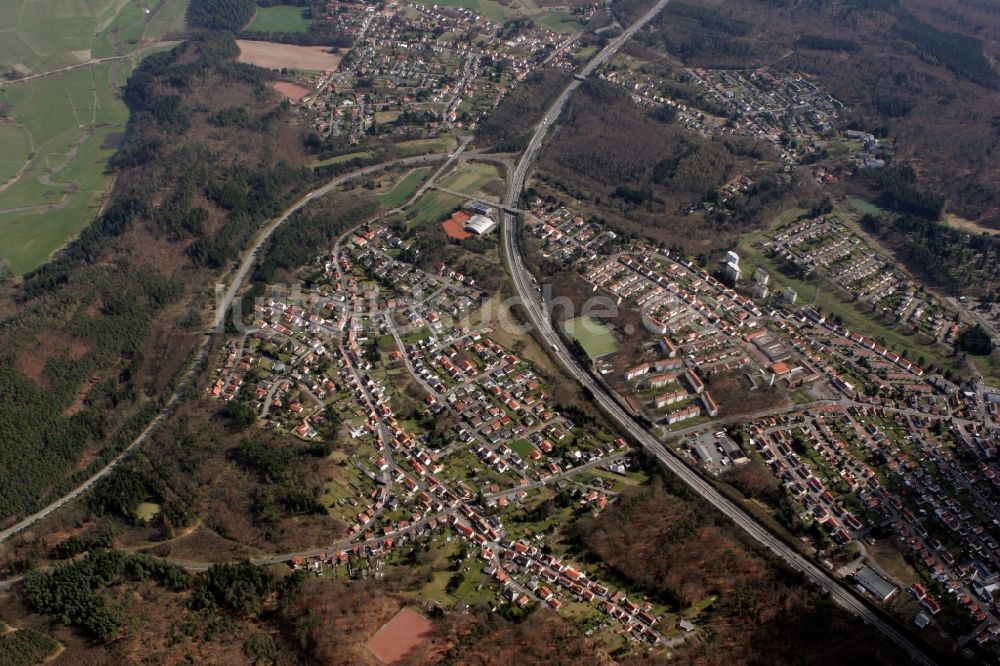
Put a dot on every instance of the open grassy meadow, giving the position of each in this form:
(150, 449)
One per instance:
(280, 18)
(61, 128)
(557, 20)
(433, 207)
(14, 145)
(132, 28)
(593, 336)
(424, 146)
(560, 21)
(69, 125)
(42, 35)
(469, 178)
(405, 188)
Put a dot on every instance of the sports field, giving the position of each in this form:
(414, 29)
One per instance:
(62, 126)
(454, 226)
(292, 91)
(593, 336)
(404, 632)
(280, 18)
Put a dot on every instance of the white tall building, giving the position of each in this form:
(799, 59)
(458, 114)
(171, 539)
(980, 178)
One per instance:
(731, 267)
(731, 271)
(761, 277)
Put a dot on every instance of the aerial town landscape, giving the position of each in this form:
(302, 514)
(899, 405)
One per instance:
(638, 331)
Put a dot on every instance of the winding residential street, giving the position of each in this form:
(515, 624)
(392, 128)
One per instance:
(540, 320)
(538, 315)
(222, 305)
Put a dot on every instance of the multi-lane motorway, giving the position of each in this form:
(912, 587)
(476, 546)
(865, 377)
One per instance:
(540, 321)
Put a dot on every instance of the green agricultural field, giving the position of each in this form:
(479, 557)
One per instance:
(63, 127)
(470, 177)
(593, 336)
(560, 21)
(424, 146)
(433, 207)
(42, 35)
(133, 29)
(405, 188)
(280, 18)
(14, 145)
(71, 122)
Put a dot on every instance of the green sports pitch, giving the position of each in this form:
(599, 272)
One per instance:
(593, 336)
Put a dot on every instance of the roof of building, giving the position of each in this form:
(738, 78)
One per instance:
(479, 224)
(870, 579)
(780, 368)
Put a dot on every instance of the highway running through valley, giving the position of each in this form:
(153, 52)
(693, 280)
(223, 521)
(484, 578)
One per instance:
(539, 319)
(522, 279)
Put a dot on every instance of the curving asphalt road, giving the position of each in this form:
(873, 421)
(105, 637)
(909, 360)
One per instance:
(222, 308)
(837, 590)
(522, 281)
